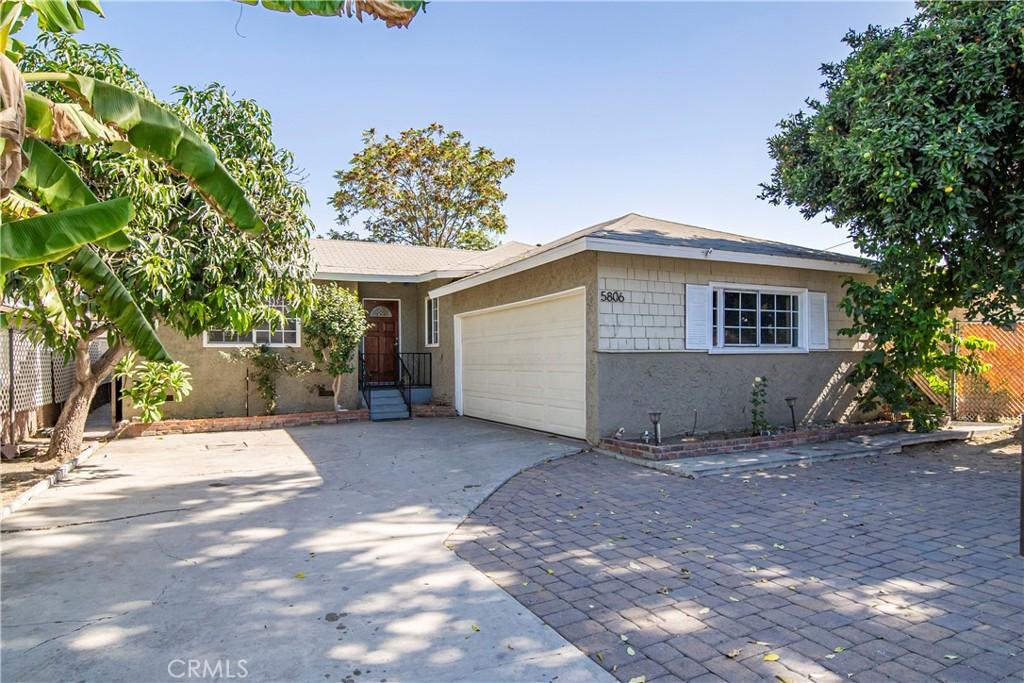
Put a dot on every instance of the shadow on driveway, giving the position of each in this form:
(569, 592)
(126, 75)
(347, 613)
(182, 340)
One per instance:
(312, 553)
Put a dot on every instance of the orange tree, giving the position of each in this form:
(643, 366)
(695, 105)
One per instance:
(917, 151)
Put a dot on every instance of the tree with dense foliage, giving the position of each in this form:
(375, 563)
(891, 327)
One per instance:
(917, 151)
(335, 324)
(427, 187)
(184, 264)
(51, 215)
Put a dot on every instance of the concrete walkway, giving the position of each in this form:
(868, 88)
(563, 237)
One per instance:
(315, 553)
(810, 454)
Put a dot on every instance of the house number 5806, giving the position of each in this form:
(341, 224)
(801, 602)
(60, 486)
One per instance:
(613, 296)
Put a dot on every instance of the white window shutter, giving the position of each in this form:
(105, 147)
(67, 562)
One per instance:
(698, 317)
(817, 320)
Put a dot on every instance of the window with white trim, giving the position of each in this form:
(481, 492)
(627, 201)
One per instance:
(433, 335)
(755, 318)
(288, 334)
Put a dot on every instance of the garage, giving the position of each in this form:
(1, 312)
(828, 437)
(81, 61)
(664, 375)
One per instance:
(525, 363)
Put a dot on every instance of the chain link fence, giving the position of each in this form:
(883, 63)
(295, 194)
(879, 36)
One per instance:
(32, 377)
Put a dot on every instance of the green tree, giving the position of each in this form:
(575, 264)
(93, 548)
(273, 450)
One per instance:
(917, 151)
(184, 264)
(332, 329)
(427, 187)
(50, 215)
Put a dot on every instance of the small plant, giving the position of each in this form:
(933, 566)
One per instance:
(758, 401)
(926, 416)
(148, 384)
(267, 366)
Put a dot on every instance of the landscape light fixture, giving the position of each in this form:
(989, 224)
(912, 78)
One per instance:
(791, 401)
(656, 421)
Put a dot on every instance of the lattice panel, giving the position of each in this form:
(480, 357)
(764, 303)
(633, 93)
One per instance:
(63, 378)
(999, 392)
(40, 377)
(32, 387)
(5, 371)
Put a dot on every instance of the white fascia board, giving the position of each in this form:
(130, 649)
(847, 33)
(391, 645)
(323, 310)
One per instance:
(695, 253)
(367, 277)
(559, 252)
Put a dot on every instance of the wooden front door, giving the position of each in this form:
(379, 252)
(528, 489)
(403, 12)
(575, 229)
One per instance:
(380, 343)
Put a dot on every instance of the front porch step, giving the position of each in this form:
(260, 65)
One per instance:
(386, 403)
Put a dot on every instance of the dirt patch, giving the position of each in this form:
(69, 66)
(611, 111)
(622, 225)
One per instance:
(21, 474)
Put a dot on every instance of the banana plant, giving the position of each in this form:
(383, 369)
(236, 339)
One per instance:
(395, 13)
(48, 213)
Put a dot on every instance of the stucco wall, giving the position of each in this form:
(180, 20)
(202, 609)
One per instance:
(631, 384)
(579, 270)
(718, 387)
(218, 386)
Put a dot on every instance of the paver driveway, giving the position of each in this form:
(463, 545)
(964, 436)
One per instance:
(315, 553)
(902, 568)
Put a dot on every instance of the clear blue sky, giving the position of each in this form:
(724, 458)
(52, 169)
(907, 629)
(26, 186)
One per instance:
(660, 108)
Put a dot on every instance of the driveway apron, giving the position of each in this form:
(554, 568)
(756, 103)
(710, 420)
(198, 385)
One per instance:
(314, 553)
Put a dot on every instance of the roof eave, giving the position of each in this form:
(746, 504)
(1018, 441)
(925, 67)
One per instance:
(612, 245)
(337, 276)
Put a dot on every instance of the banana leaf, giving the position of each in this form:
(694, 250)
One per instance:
(63, 15)
(157, 132)
(51, 303)
(103, 285)
(64, 123)
(392, 12)
(51, 237)
(15, 207)
(59, 188)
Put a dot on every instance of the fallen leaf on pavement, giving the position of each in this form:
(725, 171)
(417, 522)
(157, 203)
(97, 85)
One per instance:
(771, 657)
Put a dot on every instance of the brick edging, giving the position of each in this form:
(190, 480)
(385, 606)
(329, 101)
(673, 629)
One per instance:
(233, 424)
(671, 451)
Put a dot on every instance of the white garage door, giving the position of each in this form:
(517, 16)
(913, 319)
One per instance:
(526, 364)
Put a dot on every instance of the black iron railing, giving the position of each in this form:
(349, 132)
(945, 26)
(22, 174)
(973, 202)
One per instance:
(403, 371)
(419, 365)
(404, 381)
(364, 381)
(383, 369)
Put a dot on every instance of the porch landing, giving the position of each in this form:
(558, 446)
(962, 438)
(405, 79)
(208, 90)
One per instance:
(804, 456)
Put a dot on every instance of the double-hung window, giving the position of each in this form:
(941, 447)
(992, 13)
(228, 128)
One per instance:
(756, 319)
(432, 330)
(276, 334)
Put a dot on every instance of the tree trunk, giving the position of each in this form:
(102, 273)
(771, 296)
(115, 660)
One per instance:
(66, 441)
(336, 386)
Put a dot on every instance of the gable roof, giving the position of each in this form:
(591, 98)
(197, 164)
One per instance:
(354, 260)
(637, 234)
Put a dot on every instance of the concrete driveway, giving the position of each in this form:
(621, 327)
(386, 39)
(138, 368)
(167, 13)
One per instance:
(314, 553)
